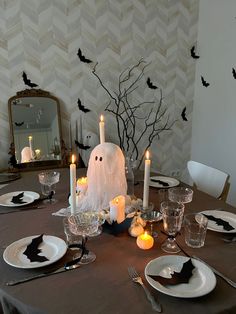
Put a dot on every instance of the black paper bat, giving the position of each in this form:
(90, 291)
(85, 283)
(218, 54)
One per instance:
(18, 199)
(160, 182)
(234, 73)
(183, 114)
(82, 57)
(204, 83)
(32, 250)
(193, 54)
(150, 84)
(81, 107)
(177, 278)
(19, 124)
(82, 146)
(220, 222)
(27, 81)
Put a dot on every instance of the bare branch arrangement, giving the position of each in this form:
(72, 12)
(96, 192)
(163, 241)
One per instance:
(149, 113)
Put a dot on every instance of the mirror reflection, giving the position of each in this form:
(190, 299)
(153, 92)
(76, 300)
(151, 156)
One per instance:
(35, 125)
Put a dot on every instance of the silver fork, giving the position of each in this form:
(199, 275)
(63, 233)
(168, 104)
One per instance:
(136, 278)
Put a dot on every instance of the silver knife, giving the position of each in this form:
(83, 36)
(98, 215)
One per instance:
(229, 281)
(57, 271)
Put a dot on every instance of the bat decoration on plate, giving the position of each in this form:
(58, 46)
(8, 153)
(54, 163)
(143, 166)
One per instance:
(27, 81)
(17, 199)
(82, 146)
(19, 124)
(160, 182)
(82, 57)
(193, 53)
(234, 73)
(183, 114)
(150, 84)
(204, 83)
(32, 251)
(81, 107)
(177, 278)
(220, 222)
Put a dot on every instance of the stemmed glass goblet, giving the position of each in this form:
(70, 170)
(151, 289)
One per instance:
(48, 180)
(172, 214)
(181, 195)
(84, 223)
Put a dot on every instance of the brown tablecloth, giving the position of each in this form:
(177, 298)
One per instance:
(104, 286)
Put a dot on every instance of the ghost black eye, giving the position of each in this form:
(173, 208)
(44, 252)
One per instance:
(100, 158)
(96, 158)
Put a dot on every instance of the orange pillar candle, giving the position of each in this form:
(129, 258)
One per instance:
(145, 241)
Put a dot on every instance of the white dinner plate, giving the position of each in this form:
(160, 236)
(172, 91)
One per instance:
(226, 216)
(201, 282)
(29, 197)
(52, 247)
(171, 182)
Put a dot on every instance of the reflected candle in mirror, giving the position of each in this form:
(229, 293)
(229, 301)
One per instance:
(102, 129)
(82, 184)
(31, 146)
(145, 241)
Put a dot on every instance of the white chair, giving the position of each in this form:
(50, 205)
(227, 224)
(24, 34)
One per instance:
(209, 180)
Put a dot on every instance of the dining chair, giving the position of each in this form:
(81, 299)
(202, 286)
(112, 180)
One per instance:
(209, 180)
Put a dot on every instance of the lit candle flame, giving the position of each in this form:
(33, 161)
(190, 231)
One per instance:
(30, 137)
(73, 159)
(101, 118)
(147, 154)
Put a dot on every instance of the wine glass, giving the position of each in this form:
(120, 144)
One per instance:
(101, 220)
(181, 195)
(48, 180)
(172, 214)
(84, 223)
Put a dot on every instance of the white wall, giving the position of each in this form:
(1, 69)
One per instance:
(214, 111)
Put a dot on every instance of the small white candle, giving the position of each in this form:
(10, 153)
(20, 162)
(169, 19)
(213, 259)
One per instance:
(73, 184)
(31, 147)
(102, 129)
(117, 209)
(146, 181)
(82, 184)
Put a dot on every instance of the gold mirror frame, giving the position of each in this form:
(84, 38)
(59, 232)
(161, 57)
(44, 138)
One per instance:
(36, 163)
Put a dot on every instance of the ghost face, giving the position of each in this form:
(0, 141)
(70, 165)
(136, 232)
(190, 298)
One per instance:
(106, 174)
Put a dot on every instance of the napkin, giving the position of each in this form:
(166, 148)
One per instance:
(160, 182)
(32, 250)
(17, 199)
(182, 277)
(220, 222)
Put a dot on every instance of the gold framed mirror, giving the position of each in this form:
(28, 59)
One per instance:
(35, 125)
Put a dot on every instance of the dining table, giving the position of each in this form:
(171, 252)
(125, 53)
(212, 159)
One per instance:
(104, 286)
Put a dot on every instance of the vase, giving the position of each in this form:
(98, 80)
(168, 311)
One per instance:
(129, 173)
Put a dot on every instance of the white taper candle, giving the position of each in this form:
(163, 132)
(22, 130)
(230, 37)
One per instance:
(73, 184)
(146, 181)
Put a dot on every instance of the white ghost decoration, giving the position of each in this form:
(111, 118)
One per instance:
(105, 175)
(90, 139)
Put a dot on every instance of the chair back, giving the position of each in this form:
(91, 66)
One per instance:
(209, 180)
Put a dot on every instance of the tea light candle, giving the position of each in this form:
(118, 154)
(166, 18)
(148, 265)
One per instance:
(146, 181)
(37, 152)
(117, 209)
(82, 184)
(73, 184)
(102, 129)
(145, 241)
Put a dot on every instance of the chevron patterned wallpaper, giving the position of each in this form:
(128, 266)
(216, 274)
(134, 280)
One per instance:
(42, 37)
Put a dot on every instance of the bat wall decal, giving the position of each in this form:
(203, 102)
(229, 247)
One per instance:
(19, 124)
(150, 84)
(81, 107)
(27, 81)
(193, 54)
(234, 73)
(82, 57)
(183, 114)
(204, 83)
(82, 146)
